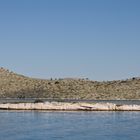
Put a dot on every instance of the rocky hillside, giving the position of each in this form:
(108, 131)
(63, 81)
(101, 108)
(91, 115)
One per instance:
(18, 86)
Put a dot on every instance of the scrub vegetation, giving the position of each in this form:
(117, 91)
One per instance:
(13, 85)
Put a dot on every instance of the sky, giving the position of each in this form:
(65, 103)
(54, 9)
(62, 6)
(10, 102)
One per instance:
(95, 39)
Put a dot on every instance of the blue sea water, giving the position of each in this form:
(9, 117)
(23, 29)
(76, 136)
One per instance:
(37, 125)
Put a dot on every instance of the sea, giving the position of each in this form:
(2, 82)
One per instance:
(44, 125)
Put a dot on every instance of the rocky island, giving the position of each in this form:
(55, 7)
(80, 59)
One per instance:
(13, 85)
(17, 86)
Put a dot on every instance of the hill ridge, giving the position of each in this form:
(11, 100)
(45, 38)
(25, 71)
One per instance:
(14, 85)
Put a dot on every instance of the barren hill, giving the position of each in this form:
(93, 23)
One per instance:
(13, 85)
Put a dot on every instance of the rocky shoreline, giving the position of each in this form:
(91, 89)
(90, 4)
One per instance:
(63, 106)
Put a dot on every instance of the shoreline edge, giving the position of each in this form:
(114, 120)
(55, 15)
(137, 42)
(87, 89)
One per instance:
(65, 106)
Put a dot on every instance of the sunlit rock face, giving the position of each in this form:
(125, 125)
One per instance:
(58, 106)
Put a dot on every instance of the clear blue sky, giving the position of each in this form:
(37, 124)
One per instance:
(98, 39)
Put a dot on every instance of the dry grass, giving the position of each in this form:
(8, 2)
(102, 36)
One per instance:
(17, 86)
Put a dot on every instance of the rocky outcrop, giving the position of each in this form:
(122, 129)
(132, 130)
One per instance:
(13, 85)
(58, 106)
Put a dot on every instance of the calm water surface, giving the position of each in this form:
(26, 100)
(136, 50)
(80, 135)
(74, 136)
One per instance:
(24, 125)
(31, 100)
